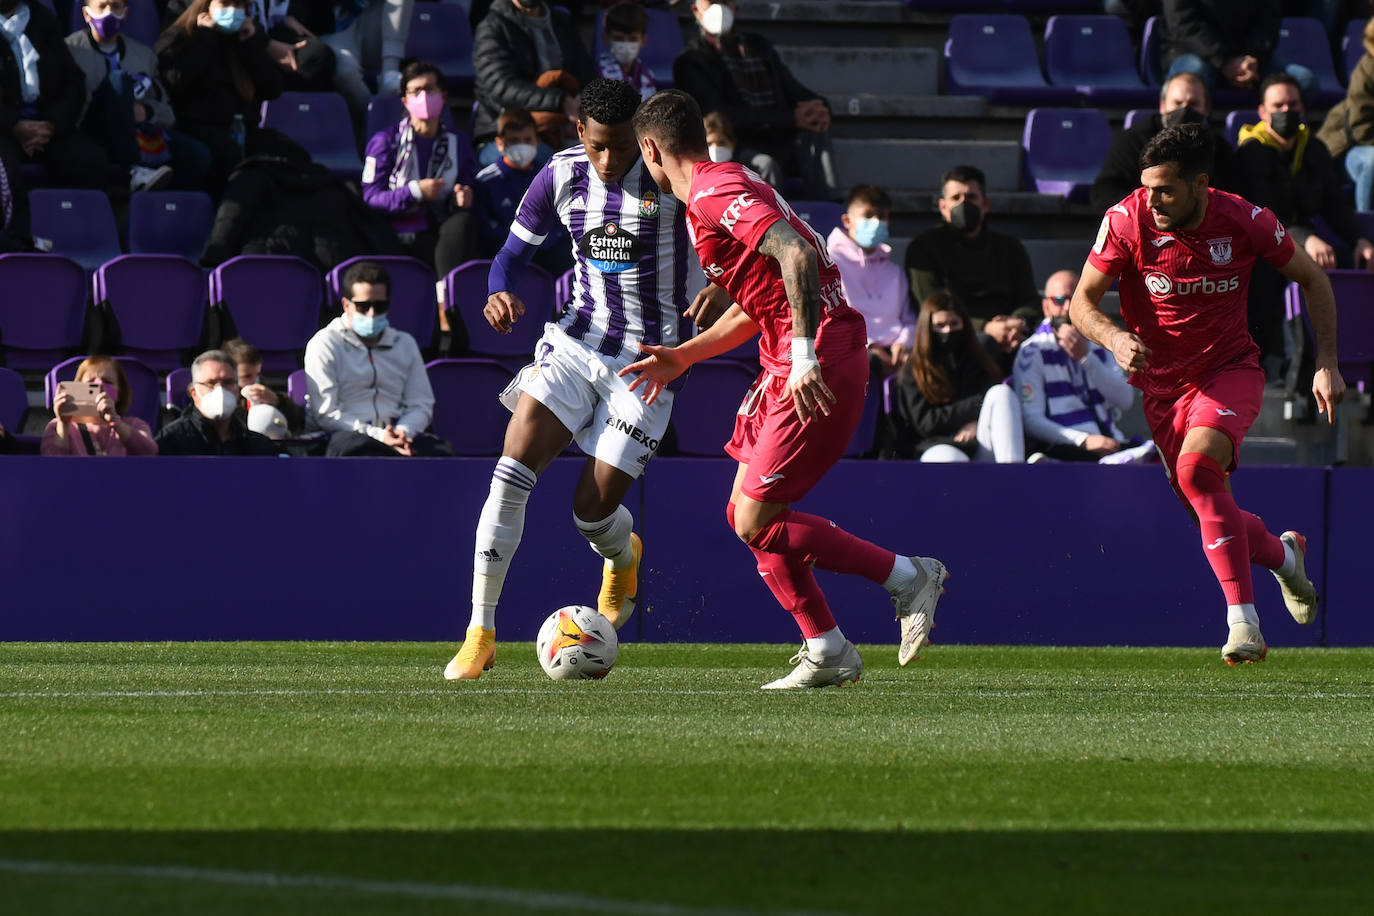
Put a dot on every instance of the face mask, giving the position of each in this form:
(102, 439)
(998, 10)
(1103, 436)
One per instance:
(966, 217)
(948, 341)
(107, 26)
(218, 403)
(520, 155)
(229, 18)
(1285, 123)
(1184, 116)
(717, 19)
(721, 153)
(624, 52)
(368, 325)
(426, 106)
(870, 233)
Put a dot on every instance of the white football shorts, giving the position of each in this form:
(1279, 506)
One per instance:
(608, 420)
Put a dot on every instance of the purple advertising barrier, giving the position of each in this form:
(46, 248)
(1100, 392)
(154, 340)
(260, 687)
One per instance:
(223, 548)
(251, 548)
(1049, 554)
(1351, 538)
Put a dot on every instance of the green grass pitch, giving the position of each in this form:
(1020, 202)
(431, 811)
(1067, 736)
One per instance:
(228, 778)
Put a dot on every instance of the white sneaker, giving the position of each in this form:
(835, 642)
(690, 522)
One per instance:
(916, 607)
(1299, 594)
(144, 178)
(1244, 645)
(838, 670)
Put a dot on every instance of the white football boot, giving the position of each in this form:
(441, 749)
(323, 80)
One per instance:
(846, 667)
(1244, 645)
(916, 607)
(1299, 594)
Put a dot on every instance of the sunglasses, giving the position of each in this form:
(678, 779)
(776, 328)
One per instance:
(1059, 300)
(377, 306)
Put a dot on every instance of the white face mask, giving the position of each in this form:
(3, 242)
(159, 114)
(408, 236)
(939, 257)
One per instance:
(218, 403)
(624, 52)
(717, 19)
(520, 155)
(721, 152)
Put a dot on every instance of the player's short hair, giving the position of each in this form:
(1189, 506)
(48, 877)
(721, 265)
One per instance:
(414, 69)
(1188, 147)
(514, 119)
(364, 272)
(869, 194)
(965, 174)
(1276, 78)
(673, 119)
(608, 102)
(627, 16)
(244, 353)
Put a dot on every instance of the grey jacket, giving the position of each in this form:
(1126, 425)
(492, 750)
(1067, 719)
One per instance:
(134, 57)
(351, 386)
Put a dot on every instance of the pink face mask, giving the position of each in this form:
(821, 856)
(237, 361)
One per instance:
(426, 106)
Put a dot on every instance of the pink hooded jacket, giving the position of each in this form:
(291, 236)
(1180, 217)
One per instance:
(876, 288)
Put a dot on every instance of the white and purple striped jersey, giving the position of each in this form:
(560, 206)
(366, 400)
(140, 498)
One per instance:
(630, 248)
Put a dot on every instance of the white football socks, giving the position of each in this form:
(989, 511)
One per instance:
(904, 572)
(827, 645)
(1241, 613)
(498, 535)
(610, 537)
(1290, 562)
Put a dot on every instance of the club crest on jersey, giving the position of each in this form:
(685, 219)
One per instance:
(610, 248)
(648, 205)
(1220, 250)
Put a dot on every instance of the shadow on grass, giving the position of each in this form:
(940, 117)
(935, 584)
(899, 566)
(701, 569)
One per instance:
(743, 870)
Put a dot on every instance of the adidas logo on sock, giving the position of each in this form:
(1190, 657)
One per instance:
(490, 556)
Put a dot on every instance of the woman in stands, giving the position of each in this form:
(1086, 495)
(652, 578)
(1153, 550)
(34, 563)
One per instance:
(112, 433)
(953, 405)
(216, 66)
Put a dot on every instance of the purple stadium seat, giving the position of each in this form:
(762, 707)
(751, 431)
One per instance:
(178, 381)
(1352, 48)
(274, 301)
(42, 310)
(821, 215)
(440, 33)
(1235, 120)
(140, 21)
(159, 301)
(318, 121)
(13, 400)
(1150, 71)
(704, 410)
(296, 386)
(1065, 148)
(662, 43)
(78, 222)
(1304, 41)
(994, 56)
(861, 443)
(466, 287)
(170, 222)
(1355, 343)
(414, 303)
(890, 385)
(467, 414)
(386, 109)
(563, 287)
(1366, 218)
(1092, 54)
(1137, 115)
(143, 383)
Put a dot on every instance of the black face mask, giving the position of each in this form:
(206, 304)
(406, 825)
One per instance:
(966, 217)
(1285, 124)
(949, 341)
(1184, 116)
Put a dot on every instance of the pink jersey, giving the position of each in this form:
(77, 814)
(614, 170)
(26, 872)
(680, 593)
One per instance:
(1184, 293)
(728, 211)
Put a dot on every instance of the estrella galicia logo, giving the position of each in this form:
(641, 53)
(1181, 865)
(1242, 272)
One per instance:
(610, 248)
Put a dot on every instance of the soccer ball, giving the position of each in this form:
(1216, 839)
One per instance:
(576, 642)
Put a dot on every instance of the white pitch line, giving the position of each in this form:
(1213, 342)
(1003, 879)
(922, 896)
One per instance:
(468, 893)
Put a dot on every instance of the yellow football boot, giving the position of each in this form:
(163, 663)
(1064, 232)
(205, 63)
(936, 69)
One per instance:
(477, 655)
(620, 587)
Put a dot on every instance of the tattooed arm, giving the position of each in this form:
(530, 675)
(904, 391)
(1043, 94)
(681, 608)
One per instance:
(802, 281)
(1088, 320)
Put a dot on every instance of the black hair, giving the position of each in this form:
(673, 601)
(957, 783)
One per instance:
(869, 194)
(608, 102)
(1188, 147)
(673, 119)
(415, 68)
(1277, 77)
(364, 272)
(964, 174)
(627, 16)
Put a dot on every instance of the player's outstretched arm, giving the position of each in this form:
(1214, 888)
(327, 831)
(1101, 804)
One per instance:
(1328, 387)
(661, 365)
(802, 280)
(1088, 319)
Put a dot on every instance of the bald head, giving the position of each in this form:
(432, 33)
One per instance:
(1058, 291)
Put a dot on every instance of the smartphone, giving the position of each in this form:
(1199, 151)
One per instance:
(83, 398)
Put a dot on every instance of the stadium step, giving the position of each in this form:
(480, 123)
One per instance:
(843, 71)
(894, 163)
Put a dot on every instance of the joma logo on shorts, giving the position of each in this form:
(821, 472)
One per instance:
(634, 432)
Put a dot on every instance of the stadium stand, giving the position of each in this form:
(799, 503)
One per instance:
(1064, 149)
(414, 306)
(78, 223)
(662, 42)
(42, 310)
(318, 121)
(702, 427)
(440, 33)
(466, 411)
(1093, 55)
(272, 300)
(159, 303)
(1304, 41)
(170, 222)
(466, 295)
